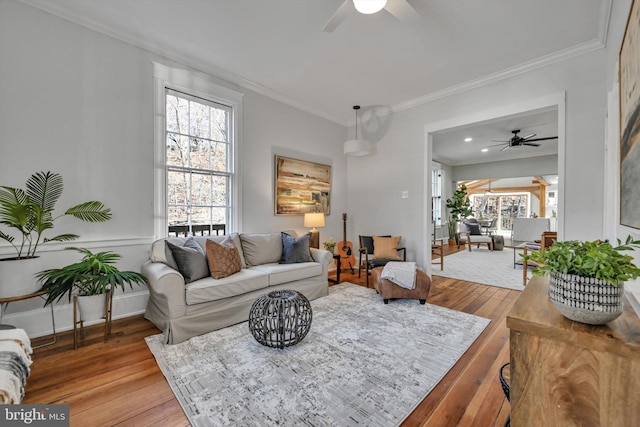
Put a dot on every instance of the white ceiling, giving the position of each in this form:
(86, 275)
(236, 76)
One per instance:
(450, 147)
(278, 48)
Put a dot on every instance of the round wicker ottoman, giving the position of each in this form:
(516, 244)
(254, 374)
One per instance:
(389, 290)
(280, 319)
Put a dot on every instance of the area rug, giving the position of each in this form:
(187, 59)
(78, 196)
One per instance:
(483, 266)
(363, 363)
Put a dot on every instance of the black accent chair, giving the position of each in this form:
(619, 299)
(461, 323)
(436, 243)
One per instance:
(370, 262)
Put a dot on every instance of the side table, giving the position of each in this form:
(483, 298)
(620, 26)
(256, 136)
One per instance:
(4, 303)
(336, 258)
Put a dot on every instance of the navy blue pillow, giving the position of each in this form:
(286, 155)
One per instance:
(295, 250)
(474, 229)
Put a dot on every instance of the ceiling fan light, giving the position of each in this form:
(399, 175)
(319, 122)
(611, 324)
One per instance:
(357, 147)
(367, 7)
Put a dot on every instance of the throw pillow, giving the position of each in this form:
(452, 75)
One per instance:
(190, 259)
(223, 257)
(474, 229)
(386, 247)
(295, 250)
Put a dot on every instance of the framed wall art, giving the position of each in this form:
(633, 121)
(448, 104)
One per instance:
(629, 66)
(301, 187)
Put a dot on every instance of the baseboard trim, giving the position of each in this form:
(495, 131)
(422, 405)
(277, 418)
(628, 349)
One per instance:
(37, 323)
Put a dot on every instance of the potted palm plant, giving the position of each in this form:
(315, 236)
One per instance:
(30, 214)
(586, 279)
(459, 208)
(90, 279)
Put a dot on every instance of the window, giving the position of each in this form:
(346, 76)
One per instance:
(196, 183)
(197, 161)
(436, 196)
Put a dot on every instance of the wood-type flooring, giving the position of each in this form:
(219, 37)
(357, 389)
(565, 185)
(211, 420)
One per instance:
(118, 383)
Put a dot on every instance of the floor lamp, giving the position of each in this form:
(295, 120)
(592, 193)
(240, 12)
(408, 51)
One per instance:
(314, 220)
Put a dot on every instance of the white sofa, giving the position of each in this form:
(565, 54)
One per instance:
(183, 311)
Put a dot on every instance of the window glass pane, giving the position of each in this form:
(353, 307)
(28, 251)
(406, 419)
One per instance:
(199, 119)
(200, 216)
(219, 156)
(200, 189)
(177, 150)
(220, 191)
(219, 216)
(172, 116)
(219, 125)
(200, 153)
(178, 215)
(177, 188)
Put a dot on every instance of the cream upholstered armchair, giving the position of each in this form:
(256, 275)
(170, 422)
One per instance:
(475, 236)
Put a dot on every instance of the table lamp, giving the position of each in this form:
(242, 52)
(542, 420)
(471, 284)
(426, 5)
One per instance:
(314, 220)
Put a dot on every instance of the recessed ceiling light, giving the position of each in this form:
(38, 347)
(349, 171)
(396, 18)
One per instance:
(468, 139)
(484, 150)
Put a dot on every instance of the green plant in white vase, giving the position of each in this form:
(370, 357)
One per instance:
(330, 245)
(29, 216)
(586, 279)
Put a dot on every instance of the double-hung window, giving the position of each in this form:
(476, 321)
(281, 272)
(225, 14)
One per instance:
(197, 161)
(196, 180)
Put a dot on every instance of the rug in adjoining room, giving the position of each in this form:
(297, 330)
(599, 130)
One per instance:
(363, 363)
(494, 268)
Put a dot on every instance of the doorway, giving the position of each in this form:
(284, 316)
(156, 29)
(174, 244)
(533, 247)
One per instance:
(554, 102)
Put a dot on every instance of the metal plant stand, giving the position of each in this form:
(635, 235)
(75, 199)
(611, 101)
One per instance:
(280, 319)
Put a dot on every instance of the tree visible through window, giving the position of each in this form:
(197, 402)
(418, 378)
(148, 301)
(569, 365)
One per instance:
(198, 158)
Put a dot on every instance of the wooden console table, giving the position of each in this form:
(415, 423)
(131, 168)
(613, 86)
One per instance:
(565, 373)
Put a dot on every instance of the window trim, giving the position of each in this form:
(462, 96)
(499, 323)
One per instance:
(200, 85)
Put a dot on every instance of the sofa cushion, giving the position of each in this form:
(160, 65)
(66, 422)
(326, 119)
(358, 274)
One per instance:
(190, 259)
(261, 248)
(386, 247)
(223, 258)
(210, 289)
(295, 249)
(284, 273)
(160, 252)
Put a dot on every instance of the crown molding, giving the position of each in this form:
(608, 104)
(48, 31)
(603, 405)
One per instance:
(227, 77)
(221, 75)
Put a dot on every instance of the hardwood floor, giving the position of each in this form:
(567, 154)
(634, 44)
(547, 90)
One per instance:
(118, 383)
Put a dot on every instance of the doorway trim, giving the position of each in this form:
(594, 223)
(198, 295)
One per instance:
(556, 100)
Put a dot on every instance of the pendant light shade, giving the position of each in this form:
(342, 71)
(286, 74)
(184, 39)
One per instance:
(368, 7)
(357, 147)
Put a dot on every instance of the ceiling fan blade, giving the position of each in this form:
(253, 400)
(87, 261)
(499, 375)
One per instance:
(498, 140)
(531, 144)
(505, 148)
(529, 136)
(340, 15)
(543, 139)
(402, 10)
(498, 145)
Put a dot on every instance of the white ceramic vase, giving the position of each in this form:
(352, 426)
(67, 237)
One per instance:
(92, 307)
(586, 299)
(18, 276)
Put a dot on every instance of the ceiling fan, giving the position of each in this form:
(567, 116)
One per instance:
(401, 9)
(519, 141)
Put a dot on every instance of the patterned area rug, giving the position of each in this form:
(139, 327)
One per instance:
(483, 266)
(363, 363)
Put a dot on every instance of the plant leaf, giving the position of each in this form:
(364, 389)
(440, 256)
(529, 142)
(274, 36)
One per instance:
(44, 189)
(62, 238)
(93, 211)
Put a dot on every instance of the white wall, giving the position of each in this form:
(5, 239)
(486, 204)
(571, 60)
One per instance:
(532, 166)
(400, 154)
(81, 103)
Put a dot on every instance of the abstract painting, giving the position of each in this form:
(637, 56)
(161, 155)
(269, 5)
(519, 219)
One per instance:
(630, 121)
(301, 187)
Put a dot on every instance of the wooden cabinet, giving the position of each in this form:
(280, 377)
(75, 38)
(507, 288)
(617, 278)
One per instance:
(565, 373)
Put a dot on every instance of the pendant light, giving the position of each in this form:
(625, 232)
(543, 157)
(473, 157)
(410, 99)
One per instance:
(357, 147)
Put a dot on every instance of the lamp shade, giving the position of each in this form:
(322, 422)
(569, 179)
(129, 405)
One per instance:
(357, 147)
(368, 7)
(314, 220)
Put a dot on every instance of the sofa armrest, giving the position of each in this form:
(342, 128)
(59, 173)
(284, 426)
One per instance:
(166, 288)
(325, 258)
